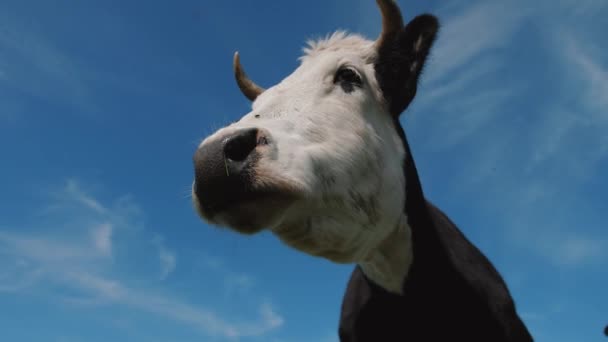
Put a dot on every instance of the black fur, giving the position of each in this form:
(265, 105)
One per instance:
(399, 65)
(452, 292)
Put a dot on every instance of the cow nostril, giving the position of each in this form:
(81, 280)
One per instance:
(238, 146)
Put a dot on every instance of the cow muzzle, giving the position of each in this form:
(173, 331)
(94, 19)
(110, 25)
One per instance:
(229, 189)
(224, 169)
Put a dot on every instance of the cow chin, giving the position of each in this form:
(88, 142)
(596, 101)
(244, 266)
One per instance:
(250, 216)
(315, 241)
(253, 216)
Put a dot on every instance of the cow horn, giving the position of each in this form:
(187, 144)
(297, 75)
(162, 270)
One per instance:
(392, 21)
(247, 86)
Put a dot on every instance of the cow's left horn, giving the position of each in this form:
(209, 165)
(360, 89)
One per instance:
(392, 21)
(247, 86)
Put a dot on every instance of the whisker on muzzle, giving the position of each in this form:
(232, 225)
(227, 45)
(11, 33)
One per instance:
(186, 193)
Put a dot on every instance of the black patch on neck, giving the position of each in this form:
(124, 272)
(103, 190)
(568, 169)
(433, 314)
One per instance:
(451, 291)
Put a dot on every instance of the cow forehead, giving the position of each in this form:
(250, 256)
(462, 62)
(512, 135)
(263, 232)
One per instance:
(321, 58)
(340, 41)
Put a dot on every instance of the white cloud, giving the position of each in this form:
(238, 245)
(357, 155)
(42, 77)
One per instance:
(34, 64)
(234, 282)
(459, 119)
(478, 29)
(102, 238)
(462, 84)
(528, 169)
(581, 7)
(458, 85)
(74, 192)
(583, 66)
(79, 262)
(166, 257)
(114, 292)
(168, 261)
(570, 250)
(575, 121)
(43, 250)
(41, 262)
(238, 282)
(96, 286)
(17, 275)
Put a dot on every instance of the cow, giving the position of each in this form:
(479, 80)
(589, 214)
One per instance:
(322, 161)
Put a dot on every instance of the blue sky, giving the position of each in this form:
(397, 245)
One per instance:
(102, 104)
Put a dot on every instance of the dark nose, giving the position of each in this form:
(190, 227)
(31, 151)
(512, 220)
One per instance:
(238, 146)
(222, 170)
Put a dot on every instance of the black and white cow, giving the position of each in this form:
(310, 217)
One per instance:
(323, 162)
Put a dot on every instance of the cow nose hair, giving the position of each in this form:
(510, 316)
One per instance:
(239, 145)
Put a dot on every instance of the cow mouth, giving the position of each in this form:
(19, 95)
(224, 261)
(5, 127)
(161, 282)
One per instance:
(248, 213)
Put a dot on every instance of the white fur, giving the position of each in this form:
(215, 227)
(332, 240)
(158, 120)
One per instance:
(343, 154)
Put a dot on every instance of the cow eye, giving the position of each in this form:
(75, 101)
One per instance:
(347, 78)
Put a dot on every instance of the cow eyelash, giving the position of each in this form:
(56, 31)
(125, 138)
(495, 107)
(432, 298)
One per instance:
(348, 78)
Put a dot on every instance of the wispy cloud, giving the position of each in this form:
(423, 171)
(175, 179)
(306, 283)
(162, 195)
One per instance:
(33, 64)
(579, 7)
(479, 29)
(533, 159)
(234, 282)
(576, 250)
(168, 261)
(461, 84)
(581, 107)
(115, 292)
(582, 65)
(166, 257)
(238, 282)
(102, 238)
(74, 192)
(83, 263)
(45, 250)
(458, 85)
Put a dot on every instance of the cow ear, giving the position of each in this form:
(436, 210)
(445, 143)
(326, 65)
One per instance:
(401, 57)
